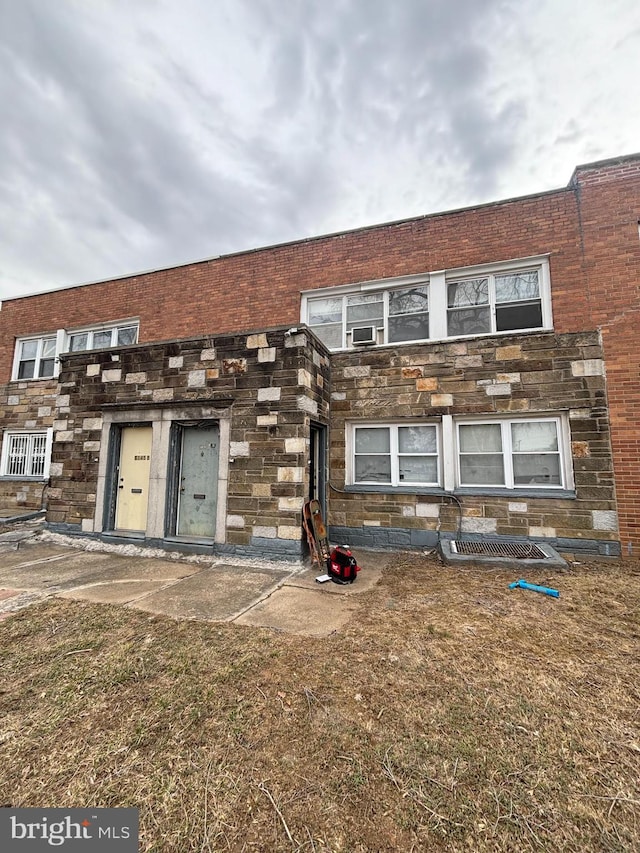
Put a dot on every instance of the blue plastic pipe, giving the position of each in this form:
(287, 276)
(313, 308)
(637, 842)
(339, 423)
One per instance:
(532, 586)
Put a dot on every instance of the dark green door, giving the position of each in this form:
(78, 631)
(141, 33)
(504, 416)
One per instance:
(198, 485)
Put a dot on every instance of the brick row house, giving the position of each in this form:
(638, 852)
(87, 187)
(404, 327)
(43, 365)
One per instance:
(471, 373)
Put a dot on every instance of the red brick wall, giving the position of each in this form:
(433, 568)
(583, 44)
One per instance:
(260, 289)
(590, 230)
(609, 197)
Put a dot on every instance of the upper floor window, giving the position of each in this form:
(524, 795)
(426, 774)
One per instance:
(494, 303)
(26, 454)
(483, 300)
(35, 358)
(386, 316)
(103, 338)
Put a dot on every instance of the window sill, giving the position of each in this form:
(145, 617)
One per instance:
(446, 340)
(513, 494)
(34, 379)
(10, 478)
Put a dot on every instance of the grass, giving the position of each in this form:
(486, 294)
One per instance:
(450, 714)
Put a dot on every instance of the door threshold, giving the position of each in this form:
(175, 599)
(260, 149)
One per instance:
(124, 534)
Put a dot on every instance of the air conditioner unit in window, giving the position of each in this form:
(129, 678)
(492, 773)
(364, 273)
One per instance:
(363, 335)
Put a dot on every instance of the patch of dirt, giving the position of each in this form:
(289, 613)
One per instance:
(451, 713)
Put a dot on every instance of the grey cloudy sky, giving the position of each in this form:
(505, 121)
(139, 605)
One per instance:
(137, 134)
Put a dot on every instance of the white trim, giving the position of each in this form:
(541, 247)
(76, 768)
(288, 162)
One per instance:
(563, 453)
(62, 338)
(437, 282)
(46, 336)
(113, 327)
(449, 458)
(394, 453)
(498, 267)
(4, 456)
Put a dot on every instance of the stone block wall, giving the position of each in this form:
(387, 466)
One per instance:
(270, 385)
(25, 406)
(547, 373)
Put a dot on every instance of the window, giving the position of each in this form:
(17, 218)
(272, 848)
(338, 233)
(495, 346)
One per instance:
(396, 315)
(26, 454)
(494, 303)
(494, 453)
(35, 358)
(484, 300)
(103, 338)
(511, 453)
(396, 454)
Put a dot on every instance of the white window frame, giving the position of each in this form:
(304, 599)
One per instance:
(62, 338)
(17, 361)
(564, 453)
(448, 456)
(91, 331)
(395, 455)
(31, 436)
(437, 282)
(385, 288)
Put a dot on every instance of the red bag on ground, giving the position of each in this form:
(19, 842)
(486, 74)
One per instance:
(342, 566)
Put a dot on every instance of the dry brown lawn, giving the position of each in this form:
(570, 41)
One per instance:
(451, 714)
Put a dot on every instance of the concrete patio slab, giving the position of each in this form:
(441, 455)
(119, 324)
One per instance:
(120, 592)
(138, 568)
(218, 593)
(29, 552)
(307, 612)
(287, 599)
(56, 571)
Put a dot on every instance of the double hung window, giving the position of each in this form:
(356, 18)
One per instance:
(396, 454)
(494, 303)
(484, 300)
(502, 453)
(35, 358)
(511, 453)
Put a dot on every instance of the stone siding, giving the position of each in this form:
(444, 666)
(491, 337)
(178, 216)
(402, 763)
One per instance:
(28, 406)
(523, 375)
(271, 385)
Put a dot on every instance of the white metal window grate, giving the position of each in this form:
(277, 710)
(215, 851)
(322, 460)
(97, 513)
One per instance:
(26, 455)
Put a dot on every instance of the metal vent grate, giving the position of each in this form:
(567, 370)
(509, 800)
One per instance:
(517, 550)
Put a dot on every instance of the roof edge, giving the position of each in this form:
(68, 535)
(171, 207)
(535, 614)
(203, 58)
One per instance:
(298, 242)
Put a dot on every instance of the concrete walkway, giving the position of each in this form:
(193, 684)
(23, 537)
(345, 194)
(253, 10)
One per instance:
(275, 595)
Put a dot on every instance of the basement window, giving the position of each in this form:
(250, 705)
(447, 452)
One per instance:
(26, 454)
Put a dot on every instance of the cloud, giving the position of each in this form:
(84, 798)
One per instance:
(148, 134)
